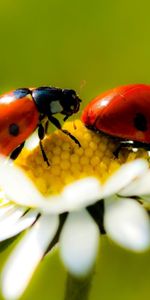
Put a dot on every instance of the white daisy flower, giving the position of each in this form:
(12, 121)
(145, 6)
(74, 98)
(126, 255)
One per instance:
(124, 219)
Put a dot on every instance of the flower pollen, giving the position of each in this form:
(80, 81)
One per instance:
(69, 162)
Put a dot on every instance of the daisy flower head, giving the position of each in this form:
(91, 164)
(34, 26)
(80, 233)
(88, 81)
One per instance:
(84, 193)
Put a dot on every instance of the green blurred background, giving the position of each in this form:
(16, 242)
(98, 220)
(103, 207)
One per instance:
(90, 46)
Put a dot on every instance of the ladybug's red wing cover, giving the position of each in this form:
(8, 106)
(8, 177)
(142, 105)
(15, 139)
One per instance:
(20, 112)
(120, 111)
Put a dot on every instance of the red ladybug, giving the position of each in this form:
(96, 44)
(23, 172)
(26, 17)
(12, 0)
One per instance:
(22, 110)
(122, 113)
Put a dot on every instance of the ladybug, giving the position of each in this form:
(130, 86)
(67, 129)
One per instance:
(122, 113)
(22, 111)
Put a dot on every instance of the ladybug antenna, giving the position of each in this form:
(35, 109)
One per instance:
(82, 85)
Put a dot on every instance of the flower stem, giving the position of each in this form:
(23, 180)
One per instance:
(78, 289)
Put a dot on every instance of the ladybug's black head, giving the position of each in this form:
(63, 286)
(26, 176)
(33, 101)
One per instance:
(51, 100)
(70, 102)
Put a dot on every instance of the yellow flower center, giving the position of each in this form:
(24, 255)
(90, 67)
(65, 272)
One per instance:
(69, 162)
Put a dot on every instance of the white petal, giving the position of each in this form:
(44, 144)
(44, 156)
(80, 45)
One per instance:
(10, 230)
(74, 196)
(3, 199)
(81, 193)
(25, 258)
(127, 223)
(32, 141)
(22, 191)
(140, 186)
(124, 176)
(79, 242)
(6, 210)
(12, 217)
(17, 186)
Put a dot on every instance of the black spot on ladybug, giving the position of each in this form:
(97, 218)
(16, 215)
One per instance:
(14, 129)
(140, 122)
(22, 92)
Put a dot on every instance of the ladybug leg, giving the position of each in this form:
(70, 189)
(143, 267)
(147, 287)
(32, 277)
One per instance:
(17, 151)
(44, 154)
(123, 144)
(41, 133)
(116, 152)
(71, 136)
(131, 144)
(126, 144)
(55, 122)
(46, 127)
(136, 144)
